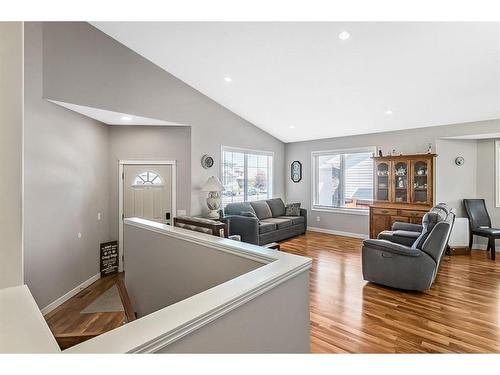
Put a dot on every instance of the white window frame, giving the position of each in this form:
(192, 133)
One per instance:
(247, 151)
(344, 210)
(497, 173)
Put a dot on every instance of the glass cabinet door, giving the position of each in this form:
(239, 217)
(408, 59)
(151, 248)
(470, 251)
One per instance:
(400, 182)
(382, 181)
(421, 193)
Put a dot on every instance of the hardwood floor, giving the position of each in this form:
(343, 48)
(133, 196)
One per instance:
(71, 327)
(459, 314)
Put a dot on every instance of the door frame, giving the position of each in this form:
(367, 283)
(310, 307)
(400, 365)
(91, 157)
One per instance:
(121, 164)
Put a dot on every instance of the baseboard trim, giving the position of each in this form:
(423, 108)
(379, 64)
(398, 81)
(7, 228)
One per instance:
(482, 246)
(338, 232)
(477, 246)
(459, 250)
(70, 294)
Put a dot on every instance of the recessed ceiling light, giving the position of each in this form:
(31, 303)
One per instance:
(344, 35)
(292, 126)
(228, 79)
(126, 118)
(388, 112)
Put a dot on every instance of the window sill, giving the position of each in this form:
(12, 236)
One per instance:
(349, 211)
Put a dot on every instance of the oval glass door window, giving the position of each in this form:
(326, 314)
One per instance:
(147, 178)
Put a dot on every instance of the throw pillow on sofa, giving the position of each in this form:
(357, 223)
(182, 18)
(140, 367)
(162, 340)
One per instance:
(292, 209)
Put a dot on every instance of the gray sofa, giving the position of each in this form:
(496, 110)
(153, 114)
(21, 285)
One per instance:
(263, 222)
(396, 261)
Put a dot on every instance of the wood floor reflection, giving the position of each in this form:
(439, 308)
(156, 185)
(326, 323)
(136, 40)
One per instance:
(459, 314)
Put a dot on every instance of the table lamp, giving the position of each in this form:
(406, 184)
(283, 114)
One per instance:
(213, 186)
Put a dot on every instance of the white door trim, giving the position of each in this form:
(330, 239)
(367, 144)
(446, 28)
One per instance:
(121, 163)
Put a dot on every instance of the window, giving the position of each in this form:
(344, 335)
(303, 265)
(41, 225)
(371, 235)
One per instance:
(147, 178)
(246, 175)
(343, 180)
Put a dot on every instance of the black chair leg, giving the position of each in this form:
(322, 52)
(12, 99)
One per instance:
(489, 245)
(470, 240)
(448, 250)
(492, 248)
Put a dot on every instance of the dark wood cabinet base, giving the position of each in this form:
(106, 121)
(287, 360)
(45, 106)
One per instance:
(382, 217)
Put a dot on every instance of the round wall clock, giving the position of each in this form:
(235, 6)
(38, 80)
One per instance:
(207, 161)
(296, 171)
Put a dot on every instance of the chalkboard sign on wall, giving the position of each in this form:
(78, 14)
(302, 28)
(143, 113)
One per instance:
(109, 258)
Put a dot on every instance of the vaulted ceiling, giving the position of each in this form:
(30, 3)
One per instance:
(300, 81)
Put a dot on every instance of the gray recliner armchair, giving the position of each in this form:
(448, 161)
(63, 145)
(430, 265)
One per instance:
(407, 233)
(410, 267)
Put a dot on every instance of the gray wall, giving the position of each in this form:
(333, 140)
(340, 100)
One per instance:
(66, 185)
(454, 183)
(11, 130)
(82, 65)
(149, 143)
(406, 141)
(161, 270)
(486, 181)
(71, 161)
(475, 179)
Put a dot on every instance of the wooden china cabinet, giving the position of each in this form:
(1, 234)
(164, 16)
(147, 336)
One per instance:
(402, 190)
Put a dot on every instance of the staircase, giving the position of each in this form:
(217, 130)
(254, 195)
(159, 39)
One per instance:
(71, 325)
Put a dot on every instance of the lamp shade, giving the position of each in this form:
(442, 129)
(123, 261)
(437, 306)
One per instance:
(213, 184)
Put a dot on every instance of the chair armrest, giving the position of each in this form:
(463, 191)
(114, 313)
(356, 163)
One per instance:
(247, 227)
(391, 247)
(303, 212)
(407, 227)
(402, 237)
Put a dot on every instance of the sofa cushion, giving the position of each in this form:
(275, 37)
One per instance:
(292, 209)
(238, 208)
(266, 227)
(277, 206)
(280, 223)
(261, 209)
(295, 219)
(248, 214)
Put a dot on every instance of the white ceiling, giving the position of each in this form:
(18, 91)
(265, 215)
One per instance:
(111, 117)
(476, 136)
(302, 75)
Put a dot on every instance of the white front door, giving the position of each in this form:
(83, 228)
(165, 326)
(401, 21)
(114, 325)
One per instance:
(147, 192)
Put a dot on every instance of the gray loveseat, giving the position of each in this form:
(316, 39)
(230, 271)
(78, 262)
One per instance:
(263, 222)
(397, 261)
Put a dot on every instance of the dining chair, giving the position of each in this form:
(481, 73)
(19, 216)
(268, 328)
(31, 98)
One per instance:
(480, 223)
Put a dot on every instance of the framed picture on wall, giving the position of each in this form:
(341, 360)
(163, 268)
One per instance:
(296, 171)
